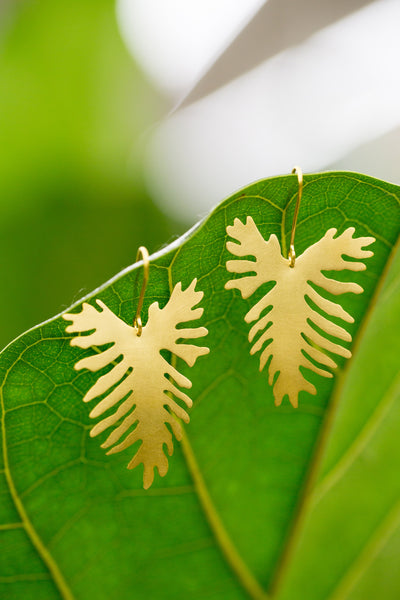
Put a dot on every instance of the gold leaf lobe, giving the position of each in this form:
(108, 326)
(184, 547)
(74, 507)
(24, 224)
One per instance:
(284, 329)
(142, 388)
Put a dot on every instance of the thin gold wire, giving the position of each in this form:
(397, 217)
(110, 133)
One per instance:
(292, 253)
(137, 321)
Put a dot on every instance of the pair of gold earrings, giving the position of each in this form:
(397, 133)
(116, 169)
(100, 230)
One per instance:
(143, 387)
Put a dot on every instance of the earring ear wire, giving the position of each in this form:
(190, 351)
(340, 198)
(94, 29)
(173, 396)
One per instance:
(137, 321)
(292, 253)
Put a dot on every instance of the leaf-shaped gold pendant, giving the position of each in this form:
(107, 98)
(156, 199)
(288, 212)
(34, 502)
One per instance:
(140, 382)
(284, 316)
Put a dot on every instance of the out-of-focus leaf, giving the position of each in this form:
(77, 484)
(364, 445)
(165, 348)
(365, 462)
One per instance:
(277, 25)
(72, 107)
(234, 516)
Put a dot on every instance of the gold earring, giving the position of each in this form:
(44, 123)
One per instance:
(142, 388)
(285, 322)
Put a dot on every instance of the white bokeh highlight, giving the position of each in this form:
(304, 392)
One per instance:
(176, 40)
(309, 105)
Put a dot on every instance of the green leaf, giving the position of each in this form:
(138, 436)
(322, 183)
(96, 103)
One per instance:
(259, 501)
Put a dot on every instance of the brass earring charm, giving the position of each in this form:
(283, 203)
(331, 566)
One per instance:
(142, 387)
(286, 325)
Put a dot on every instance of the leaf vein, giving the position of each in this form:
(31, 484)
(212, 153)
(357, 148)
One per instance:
(37, 542)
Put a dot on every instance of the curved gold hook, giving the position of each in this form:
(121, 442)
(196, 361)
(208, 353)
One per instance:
(292, 253)
(137, 321)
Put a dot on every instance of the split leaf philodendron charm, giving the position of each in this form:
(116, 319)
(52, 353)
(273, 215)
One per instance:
(139, 382)
(284, 317)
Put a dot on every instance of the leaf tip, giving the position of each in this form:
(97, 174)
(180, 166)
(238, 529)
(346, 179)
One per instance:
(100, 303)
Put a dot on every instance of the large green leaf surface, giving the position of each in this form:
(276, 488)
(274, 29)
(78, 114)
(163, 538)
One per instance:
(259, 501)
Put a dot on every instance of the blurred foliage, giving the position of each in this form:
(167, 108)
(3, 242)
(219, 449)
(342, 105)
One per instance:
(73, 110)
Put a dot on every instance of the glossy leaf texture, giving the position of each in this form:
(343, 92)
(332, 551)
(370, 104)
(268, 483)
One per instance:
(259, 502)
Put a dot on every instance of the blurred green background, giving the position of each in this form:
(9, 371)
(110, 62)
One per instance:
(74, 111)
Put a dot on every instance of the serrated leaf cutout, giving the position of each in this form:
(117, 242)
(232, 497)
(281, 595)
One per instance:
(284, 329)
(142, 387)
